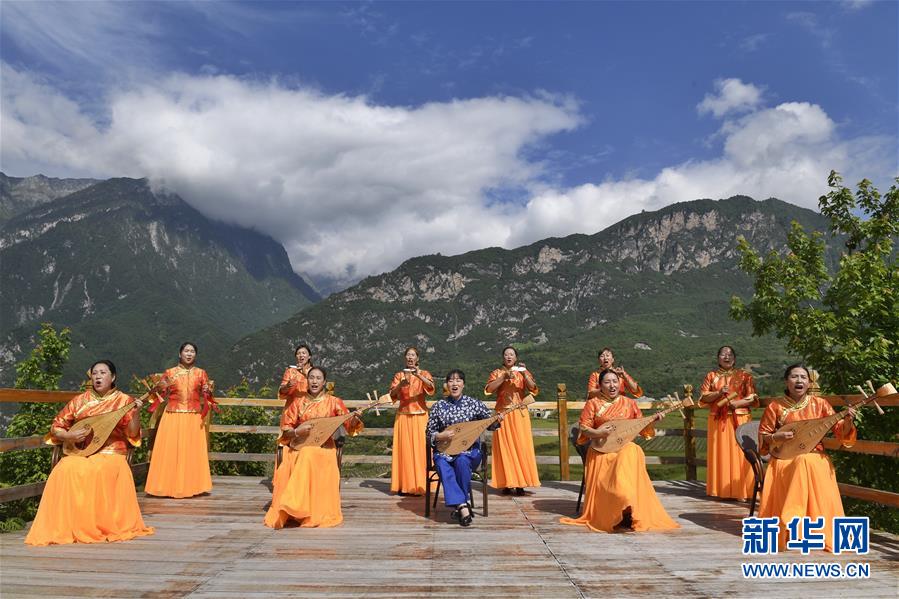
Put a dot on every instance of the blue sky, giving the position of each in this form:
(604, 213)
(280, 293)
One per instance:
(479, 123)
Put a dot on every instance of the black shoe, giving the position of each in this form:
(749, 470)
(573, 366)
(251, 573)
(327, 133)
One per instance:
(466, 519)
(455, 515)
(507, 491)
(519, 491)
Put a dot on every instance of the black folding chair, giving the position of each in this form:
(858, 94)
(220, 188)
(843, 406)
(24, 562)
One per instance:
(479, 474)
(581, 449)
(748, 440)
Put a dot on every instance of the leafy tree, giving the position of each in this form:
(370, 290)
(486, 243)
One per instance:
(244, 442)
(845, 323)
(41, 370)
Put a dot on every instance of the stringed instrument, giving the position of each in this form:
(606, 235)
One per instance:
(100, 427)
(736, 374)
(466, 433)
(808, 433)
(325, 427)
(625, 429)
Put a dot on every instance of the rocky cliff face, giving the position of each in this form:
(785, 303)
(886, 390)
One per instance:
(134, 272)
(668, 271)
(21, 194)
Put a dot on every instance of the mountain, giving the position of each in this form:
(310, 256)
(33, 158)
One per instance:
(134, 272)
(21, 194)
(655, 287)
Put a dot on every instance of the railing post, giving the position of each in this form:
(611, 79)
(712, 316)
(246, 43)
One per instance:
(689, 439)
(562, 398)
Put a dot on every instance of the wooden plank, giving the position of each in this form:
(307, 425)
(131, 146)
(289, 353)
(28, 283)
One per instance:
(139, 471)
(873, 495)
(22, 491)
(865, 447)
(17, 443)
(215, 546)
(241, 457)
(245, 428)
(35, 396)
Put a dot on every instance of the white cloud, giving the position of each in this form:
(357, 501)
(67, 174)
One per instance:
(731, 95)
(353, 188)
(856, 4)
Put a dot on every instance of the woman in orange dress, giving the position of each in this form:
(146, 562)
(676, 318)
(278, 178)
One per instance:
(179, 466)
(619, 494)
(92, 499)
(729, 474)
(807, 484)
(514, 465)
(306, 485)
(293, 383)
(410, 387)
(607, 362)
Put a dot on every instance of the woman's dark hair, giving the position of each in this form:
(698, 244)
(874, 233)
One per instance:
(730, 347)
(512, 348)
(185, 344)
(320, 369)
(412, 348)
(455, 372)
(606, 372)
(790, 369)
(302, 346)
(796, 365)
(109, 364)
(604, 350)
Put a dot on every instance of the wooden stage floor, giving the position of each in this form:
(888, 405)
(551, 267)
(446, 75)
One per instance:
(216, 546)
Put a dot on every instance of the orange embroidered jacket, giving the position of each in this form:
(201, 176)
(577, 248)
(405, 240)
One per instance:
(302, 385)
(783, 411)
(593, 384)
(512, 390)
(306, 407)
(90, 404)
(597, 411)
(184, 391)
(413, 396)
(736, 380)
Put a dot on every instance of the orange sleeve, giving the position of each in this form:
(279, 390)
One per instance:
(749, 389)
(429, 376)
(843, 430)
(536, 390)
(650, 431)
(706, 385)
(632, 386)
(130, 415)
(285, 378)
(354, 425)
(767, 426)
(393, 384)
(593, 382)
(290, 417)
(493, 376)
(64, 420)
(588, 414)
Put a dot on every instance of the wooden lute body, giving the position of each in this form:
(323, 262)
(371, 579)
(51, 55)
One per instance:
(625, 429)
(101, 426)
(808, 433)
(324, 428)
(466, 433)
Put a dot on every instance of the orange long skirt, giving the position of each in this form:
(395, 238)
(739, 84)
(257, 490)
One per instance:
(88, 500)
(514, 464)
(729, 474)
(615, 482)
(802, 486)
(306, 489)
(179, 466)
(408, 469)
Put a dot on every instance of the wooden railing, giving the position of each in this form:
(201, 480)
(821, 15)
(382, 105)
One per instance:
(564, 458)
